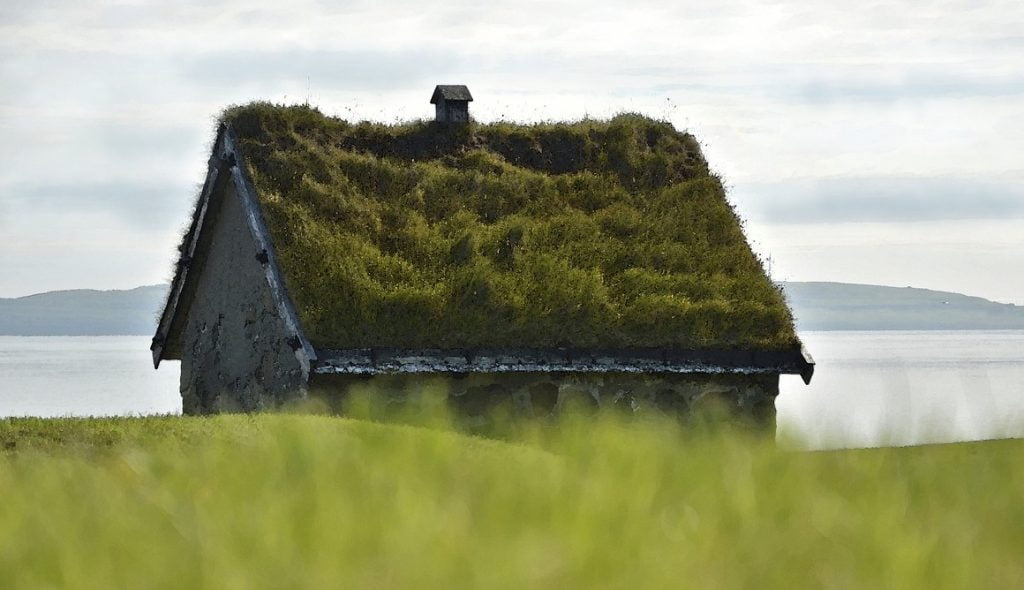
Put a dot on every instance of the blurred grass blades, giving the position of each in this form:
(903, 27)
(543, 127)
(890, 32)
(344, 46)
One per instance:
(294, 500)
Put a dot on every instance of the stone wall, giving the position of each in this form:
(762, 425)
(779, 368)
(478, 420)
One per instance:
(235, 353)
(545, 394)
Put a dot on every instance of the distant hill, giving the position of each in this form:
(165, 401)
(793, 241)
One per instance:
(817, 306)
(845, 306)
(83, 312)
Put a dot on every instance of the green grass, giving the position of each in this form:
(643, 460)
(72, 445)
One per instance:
(278, 501)
(589, 234)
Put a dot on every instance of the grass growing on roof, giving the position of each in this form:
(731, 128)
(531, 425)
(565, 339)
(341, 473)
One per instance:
(588, 234)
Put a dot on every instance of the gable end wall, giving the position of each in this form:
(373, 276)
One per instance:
(236, 353)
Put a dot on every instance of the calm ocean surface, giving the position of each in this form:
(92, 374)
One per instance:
(869, 388)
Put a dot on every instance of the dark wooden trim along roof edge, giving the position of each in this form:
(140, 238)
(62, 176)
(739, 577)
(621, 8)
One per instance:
(376, 361)
(225, 164)
(216, 167)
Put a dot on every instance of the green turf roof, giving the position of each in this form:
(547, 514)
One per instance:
(593, 234)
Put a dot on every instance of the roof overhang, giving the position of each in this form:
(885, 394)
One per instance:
(382, 361)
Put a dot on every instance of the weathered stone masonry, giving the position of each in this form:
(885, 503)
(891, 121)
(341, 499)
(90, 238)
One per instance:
(540, 394)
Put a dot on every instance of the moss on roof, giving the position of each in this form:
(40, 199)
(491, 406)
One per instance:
(593, 234)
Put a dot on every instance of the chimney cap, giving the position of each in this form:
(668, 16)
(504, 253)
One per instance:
(450, 92)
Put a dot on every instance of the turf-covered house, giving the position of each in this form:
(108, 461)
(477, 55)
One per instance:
(595, 262)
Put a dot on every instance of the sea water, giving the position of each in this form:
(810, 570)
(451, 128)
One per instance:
(84, 376)
(869, 388)
(906, 387)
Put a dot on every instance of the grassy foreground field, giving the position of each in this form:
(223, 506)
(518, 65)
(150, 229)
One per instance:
(280, 501)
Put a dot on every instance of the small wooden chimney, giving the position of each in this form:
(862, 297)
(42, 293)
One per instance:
(451, 102)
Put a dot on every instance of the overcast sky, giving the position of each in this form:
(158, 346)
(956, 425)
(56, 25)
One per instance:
(876, 142)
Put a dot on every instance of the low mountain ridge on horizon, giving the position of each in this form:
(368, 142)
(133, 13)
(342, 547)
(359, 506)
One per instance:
(816, 305)
(852, 306)
(83, 312)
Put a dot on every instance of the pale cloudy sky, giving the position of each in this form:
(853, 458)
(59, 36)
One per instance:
(876, 142)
